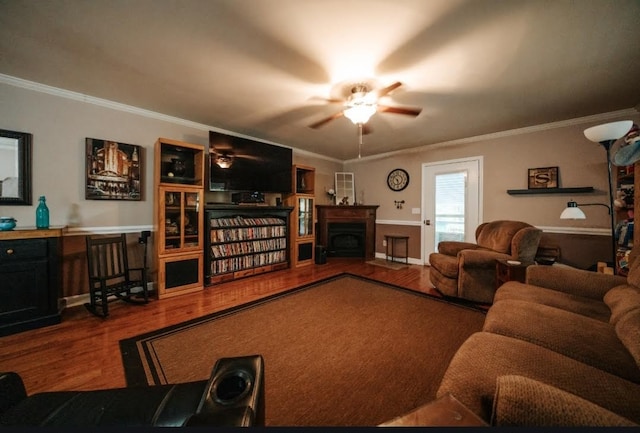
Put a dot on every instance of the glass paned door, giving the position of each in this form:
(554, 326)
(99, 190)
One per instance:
(305, 216)
(451, 206)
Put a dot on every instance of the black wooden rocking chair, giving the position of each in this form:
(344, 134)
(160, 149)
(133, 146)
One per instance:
(110, 277)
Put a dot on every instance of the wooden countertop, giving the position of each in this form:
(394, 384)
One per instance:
(31, 233)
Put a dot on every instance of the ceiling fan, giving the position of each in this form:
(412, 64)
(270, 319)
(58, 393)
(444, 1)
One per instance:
(361, 101)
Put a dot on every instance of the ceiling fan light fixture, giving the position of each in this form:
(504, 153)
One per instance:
(360, 113)
(224, 160)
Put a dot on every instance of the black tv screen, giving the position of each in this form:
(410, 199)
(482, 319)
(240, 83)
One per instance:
(251, 165)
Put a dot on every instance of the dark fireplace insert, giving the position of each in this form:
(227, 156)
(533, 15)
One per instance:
(346, 239)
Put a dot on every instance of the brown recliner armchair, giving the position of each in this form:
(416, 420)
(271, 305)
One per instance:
(468, 271)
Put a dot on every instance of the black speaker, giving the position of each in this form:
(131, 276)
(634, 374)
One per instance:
(235, 393)
(321, 255)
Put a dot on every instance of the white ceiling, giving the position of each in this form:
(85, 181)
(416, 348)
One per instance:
(252, 66)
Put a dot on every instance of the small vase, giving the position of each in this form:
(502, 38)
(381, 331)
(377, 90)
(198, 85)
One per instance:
(42, 214)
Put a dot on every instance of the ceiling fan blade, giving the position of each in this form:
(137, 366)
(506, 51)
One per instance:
(326, 120)
(329, 100)
(400, 110)
(386, 90)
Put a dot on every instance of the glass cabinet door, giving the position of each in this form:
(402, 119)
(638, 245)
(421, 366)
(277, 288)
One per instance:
(191, 218)
(181, 217)
(305, 216)
(172, 214)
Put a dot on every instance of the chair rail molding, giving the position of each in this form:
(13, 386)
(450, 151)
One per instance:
(105, 230)
(399, 222)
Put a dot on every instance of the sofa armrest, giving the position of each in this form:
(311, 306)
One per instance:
(574, 281)
(12, 390)
(452, 248)
(521, 401)
(480, 258)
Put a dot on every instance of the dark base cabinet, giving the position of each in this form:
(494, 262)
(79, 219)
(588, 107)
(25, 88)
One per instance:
(30, 279)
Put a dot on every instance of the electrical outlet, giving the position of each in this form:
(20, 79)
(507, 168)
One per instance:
(384, 242)
(415, 210)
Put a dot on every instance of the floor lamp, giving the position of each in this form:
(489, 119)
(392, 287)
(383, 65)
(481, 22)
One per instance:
(606, 135)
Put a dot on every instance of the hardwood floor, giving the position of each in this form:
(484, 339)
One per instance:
(83, 352)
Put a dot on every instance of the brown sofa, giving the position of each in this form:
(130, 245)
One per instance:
(561, 349)
(468, 271)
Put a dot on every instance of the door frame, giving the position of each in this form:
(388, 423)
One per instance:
(428, 213)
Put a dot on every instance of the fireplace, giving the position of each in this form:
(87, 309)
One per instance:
(346, 239)
(347, 231)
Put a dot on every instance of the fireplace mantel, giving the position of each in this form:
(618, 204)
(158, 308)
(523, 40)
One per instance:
(349, 214)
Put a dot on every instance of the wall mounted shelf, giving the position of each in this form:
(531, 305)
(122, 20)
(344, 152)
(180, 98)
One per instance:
(577, 190)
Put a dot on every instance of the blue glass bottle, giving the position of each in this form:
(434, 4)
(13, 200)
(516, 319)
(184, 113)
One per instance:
(42, 214)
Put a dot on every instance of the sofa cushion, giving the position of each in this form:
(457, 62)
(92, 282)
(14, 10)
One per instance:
(497, 235)
(566, 301)
(574, 281)
(579, 337)
(521, 401)
(621, 300)
(472, 373)
(628, 330)
(445, 264)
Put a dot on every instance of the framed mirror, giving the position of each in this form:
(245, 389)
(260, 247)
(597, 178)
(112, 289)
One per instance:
(345, 189)
(15, 168)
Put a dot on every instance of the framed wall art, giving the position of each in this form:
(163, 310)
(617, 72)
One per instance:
(113, 170)
(15, 168)
(545, 177)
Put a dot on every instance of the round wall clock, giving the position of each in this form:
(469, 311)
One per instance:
(398, 179)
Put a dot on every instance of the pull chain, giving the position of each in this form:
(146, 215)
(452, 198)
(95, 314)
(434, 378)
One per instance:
(360, 140)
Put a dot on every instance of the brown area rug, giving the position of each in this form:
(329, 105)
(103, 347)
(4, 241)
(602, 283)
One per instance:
(347, 351)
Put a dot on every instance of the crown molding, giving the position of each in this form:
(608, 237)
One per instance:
(509, 133)
(80, 97)
(68, 94)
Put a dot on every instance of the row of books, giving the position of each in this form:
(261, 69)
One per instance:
(239, 263)
(237, 248)
(247, 233)
(245, 222)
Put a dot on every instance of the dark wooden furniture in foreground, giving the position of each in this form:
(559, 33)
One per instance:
(391, 241)
(31, 279)
(329, 214)
(506, 271)
(446, 411)
(110, 277)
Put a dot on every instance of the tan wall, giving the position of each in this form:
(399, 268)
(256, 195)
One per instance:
(506, 160)
(60, 125)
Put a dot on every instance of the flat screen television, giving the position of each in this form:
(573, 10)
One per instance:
(240, 164)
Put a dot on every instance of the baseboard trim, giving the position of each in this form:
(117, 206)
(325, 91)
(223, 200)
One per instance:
(76, 300)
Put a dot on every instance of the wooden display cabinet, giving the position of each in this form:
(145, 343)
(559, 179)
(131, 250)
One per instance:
(179, 198)
(303, 216)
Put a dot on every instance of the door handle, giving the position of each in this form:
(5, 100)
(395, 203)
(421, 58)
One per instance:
(427, 222)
